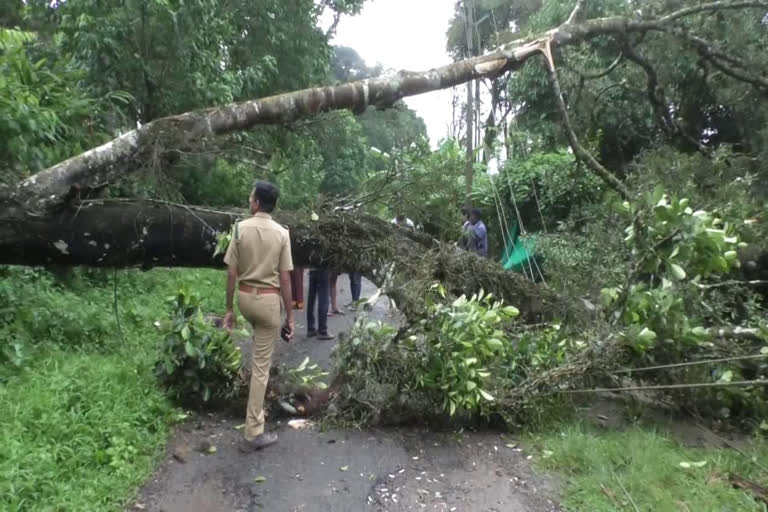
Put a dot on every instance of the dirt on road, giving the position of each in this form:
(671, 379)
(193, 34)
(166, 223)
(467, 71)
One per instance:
(311, 469)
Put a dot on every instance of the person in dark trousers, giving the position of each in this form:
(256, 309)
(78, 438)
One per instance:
(355, 286)
(318, 292)
(480, 233)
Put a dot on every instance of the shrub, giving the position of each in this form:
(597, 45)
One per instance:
(197, 360)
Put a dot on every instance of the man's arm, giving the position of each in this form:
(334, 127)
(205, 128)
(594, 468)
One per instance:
(286, 292)
(286, 265)
(482, 243)
(229, 317)
(230, 258)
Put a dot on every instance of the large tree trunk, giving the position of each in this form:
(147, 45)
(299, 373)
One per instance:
(129, 233)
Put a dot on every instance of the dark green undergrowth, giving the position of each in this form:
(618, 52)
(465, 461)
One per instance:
(658, 473)
(83, 419)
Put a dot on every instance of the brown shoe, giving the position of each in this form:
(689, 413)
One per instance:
(258, 442)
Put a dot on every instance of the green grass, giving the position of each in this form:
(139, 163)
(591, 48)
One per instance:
(83, 421)
(647, 464)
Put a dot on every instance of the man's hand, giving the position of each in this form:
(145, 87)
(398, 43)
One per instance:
(229, 321)
(288, 330)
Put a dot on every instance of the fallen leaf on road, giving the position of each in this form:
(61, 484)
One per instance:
(299, 423)
(211, 449)
(260, 479)
(343, 468)
(240, 427)
(511, 445)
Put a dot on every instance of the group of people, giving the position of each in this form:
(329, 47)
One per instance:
(322, 291)
(260, 267)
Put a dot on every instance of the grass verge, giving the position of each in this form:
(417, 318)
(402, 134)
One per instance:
(83, 421)
(658, 473)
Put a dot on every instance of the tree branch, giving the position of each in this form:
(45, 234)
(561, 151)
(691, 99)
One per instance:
(658, 98)
(724, 61)
(580, 151)
(155, 142)
(599, 74)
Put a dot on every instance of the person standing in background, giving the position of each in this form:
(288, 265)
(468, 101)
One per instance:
(479, 242)
(355, 286)
(297, 287)
(318, 293)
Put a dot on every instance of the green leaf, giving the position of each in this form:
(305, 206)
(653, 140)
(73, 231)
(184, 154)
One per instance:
(471, 385)
(185, 332)
(677, 271)
(452, 408)
(727, 376)
(511, 311)
(486, 395)
(494, 343)
(190, 349)
(647, 335)
(260, 479)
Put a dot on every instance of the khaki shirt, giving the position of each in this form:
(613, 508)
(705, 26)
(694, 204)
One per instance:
(261, 250)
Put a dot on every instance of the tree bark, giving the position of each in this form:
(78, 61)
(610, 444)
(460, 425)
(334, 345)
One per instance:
(134, 233)
(159, 141)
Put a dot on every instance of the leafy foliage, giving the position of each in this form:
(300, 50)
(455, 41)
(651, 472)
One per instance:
(198, 361)
(676, 248)
(305, 376)
(464, 358)
(461, 341)
(48, 115)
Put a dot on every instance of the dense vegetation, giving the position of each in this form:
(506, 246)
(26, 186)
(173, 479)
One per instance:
(662, 271)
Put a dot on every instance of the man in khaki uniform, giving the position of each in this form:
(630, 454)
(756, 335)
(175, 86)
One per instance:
(259, 263)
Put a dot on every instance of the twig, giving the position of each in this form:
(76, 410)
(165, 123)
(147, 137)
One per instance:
(626, 493)
(690, 363)
(599, 74)
(738, 383)
(734, 282)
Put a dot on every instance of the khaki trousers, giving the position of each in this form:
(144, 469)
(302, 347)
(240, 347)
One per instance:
(263, 313)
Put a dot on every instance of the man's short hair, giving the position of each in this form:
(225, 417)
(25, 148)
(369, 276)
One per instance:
(267, 194)
(476, 212)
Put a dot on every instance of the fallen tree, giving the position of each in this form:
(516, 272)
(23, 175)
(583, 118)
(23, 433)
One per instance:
(134, 233)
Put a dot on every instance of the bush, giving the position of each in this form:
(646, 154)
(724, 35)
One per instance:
(197, 360)
(458, 360)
